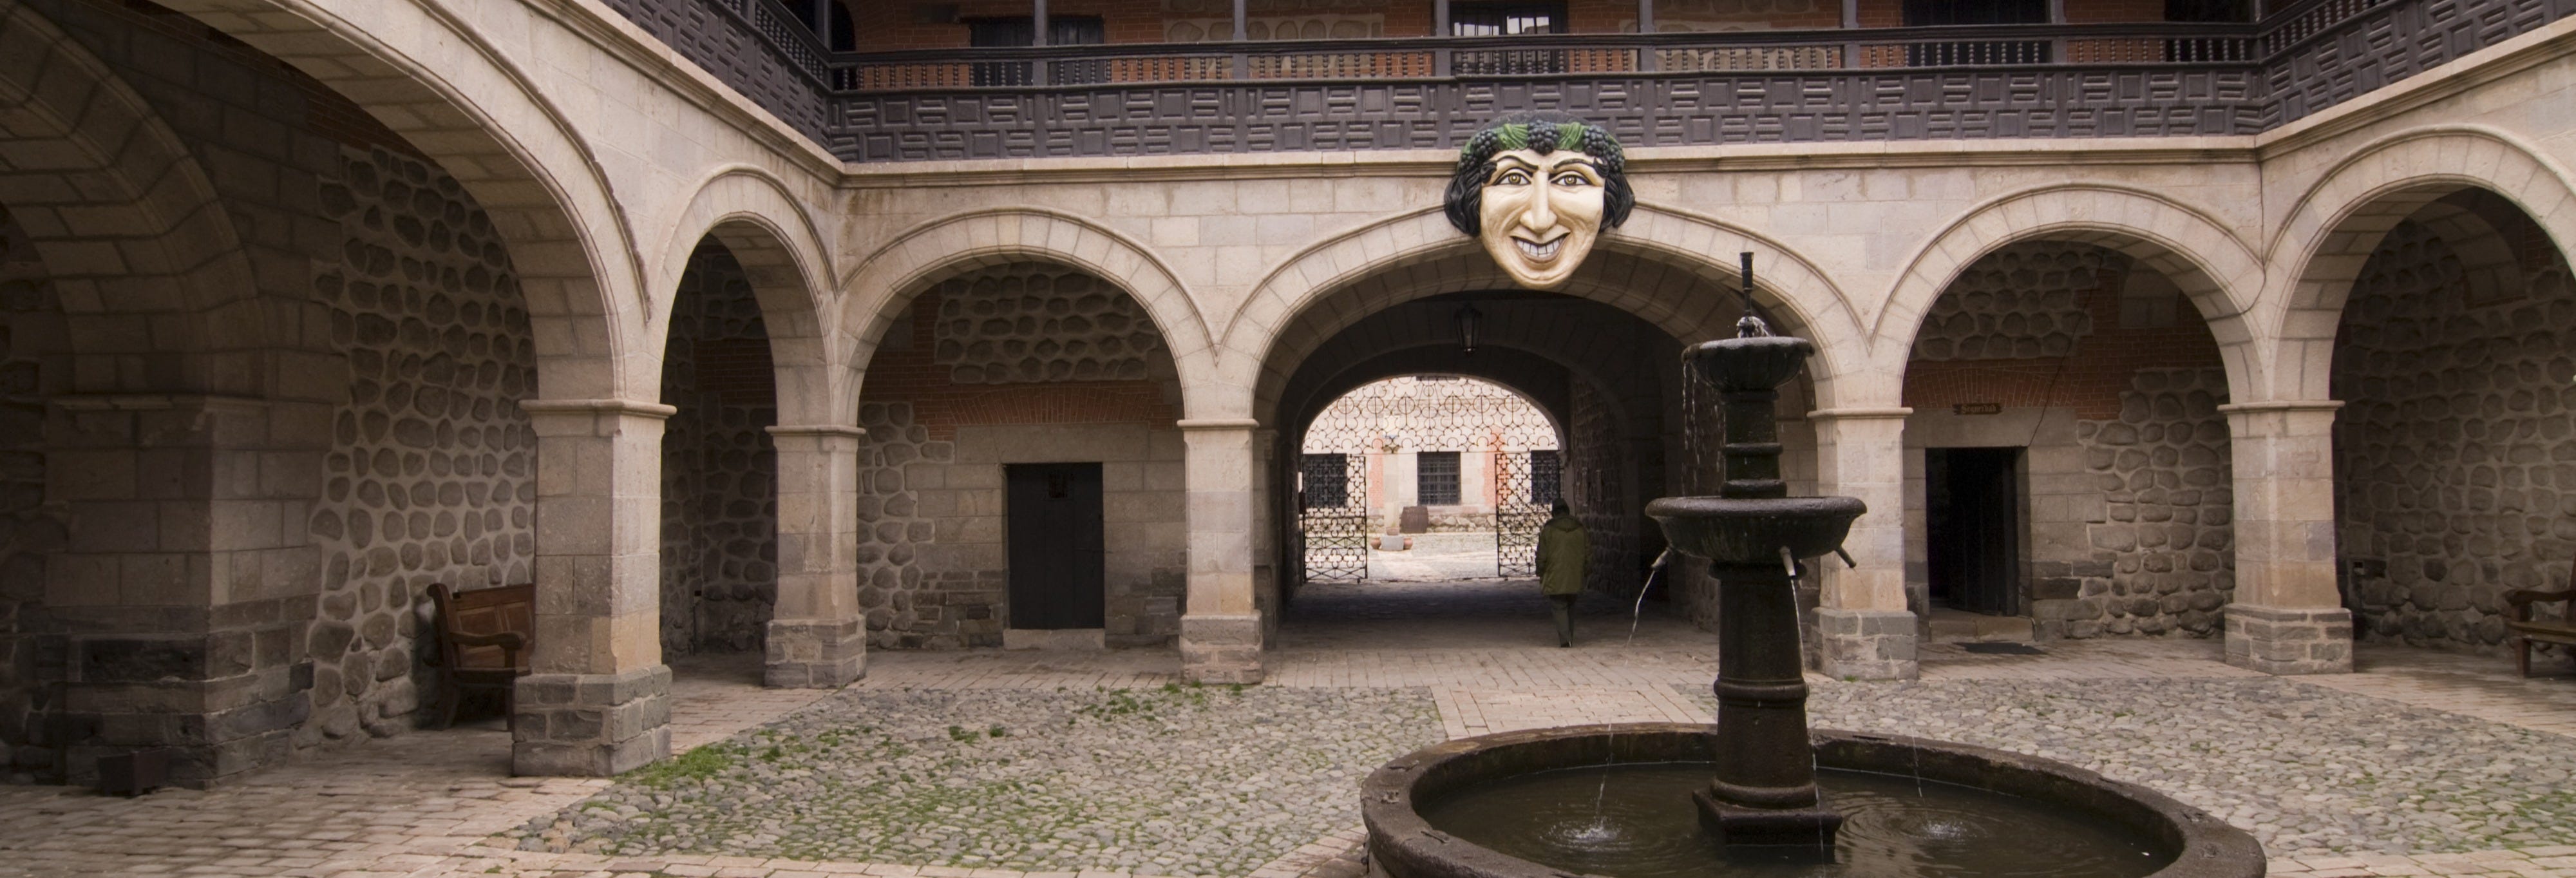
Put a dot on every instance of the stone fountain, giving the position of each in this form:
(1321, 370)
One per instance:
(1753, 534)
(1618, 800)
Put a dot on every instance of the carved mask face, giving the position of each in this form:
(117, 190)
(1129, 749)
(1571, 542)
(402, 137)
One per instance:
(1541, 214)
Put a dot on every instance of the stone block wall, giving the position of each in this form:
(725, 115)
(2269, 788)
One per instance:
(1597, 483)
(2455, 453)
(984, 372)
(719, 466)
(431, 477)
(2103, 372)
(31, 327)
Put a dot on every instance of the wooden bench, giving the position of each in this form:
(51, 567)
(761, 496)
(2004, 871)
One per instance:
(2528, 631)
(481, 644)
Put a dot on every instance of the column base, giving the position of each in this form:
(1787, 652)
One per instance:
(1734, 825)
(2276, 640)
(815, 653)
(1867, 644)
(1221, 649)
(591, 725)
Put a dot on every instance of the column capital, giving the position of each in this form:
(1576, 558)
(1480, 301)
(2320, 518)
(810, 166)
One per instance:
(1192, 425)
(626, 407)
(818, 430)
(1860, 413)
(2283, 405)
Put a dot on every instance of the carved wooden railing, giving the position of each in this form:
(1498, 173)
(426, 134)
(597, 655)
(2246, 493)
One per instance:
(2154, 79)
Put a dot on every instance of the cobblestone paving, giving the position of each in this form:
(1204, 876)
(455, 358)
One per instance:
(1180, 780)
(434, 804)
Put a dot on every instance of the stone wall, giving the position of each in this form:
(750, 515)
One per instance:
(719, 467)
(982, 373)
(2103, 372)
(2163, 559)
(1596, 485)
(431, 474)
(1031, 322)
(2455, 454)
(31, 327)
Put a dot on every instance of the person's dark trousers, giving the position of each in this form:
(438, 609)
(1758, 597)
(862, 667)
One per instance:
(1563, 607)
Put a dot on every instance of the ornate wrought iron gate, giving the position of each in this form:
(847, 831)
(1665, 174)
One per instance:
(1521, 500)
(1332, 491)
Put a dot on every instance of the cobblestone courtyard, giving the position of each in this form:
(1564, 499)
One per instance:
(2422, 763)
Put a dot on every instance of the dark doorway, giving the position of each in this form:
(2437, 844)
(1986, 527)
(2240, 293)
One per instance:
(1062, 30)
(1057, 549)
(1973, 500)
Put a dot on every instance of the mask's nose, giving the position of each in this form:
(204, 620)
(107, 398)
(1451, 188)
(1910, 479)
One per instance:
(1541, 216)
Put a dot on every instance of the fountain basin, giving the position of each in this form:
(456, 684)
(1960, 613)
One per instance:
(1756, 362)
(1404, 843)
(1738, 531)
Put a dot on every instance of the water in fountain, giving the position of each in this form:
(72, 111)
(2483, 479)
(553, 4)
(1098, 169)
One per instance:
(1650, 829)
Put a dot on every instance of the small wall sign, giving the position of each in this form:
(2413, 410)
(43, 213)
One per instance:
(1977, 408)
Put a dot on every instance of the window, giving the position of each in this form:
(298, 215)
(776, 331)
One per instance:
(1470, 19)
(1547, 478)
(1327, 480)
(1932, 13)
(1062, 30)
(1436, 478)
(1467, 19)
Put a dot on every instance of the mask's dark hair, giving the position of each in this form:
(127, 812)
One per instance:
(1544, 133)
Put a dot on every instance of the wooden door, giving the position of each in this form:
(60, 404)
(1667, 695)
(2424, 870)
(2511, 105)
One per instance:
(1975, 528)
(1057, 548)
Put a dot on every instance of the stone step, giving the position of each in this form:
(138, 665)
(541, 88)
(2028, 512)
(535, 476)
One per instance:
(1961, 626)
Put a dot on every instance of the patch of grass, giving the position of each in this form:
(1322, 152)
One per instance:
(963, 734)
(699, 764)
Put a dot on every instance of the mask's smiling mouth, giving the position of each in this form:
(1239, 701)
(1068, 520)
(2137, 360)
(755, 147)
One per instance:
(1538, 252)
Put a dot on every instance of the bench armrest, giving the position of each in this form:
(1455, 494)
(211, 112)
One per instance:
(2522, 599)
(510, 642)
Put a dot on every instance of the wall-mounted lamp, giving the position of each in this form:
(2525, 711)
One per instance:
(1469, 321)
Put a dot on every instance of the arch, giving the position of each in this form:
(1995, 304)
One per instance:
(2336, 224)
(104, 166)
(437, 80)
(1515, 370)
(1419, 254)
(2213, 267)
(885, 283)
(782, 253)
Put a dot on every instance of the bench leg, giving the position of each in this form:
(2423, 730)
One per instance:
(2522, 655)
(447, 698)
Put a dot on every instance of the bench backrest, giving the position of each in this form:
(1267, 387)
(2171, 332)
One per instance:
(509, 608)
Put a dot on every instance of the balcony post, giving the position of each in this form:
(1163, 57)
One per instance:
(1440, 30)
(1038, 39)
(1851, 20)
(1242, 32)
(1646, 59)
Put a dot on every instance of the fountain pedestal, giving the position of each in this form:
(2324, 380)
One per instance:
(1752, 534)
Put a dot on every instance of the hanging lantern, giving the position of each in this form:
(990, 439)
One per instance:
(1469, 321)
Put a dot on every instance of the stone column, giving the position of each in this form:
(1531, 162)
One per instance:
(1265, 533)
(2288, 617)
(1221, 626)
(186, 585)
(818, 637)
(1868, 632)
(597, 700)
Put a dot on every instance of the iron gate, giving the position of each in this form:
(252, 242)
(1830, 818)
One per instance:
(1332, 492)
(1522, 495)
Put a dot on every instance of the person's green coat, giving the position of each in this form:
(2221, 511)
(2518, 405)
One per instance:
(1562, 549)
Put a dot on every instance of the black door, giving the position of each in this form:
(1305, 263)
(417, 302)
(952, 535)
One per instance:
(1056, 546)
(1974, 523)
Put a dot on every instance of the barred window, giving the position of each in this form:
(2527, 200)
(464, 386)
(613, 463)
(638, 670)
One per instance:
(1436, 478)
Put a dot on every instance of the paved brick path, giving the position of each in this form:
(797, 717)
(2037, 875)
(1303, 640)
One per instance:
(423, 804)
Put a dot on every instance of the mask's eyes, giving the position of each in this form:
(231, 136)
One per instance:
(1512, 177)
(1572, 179)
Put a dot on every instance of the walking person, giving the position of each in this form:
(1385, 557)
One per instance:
(1563, 547)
